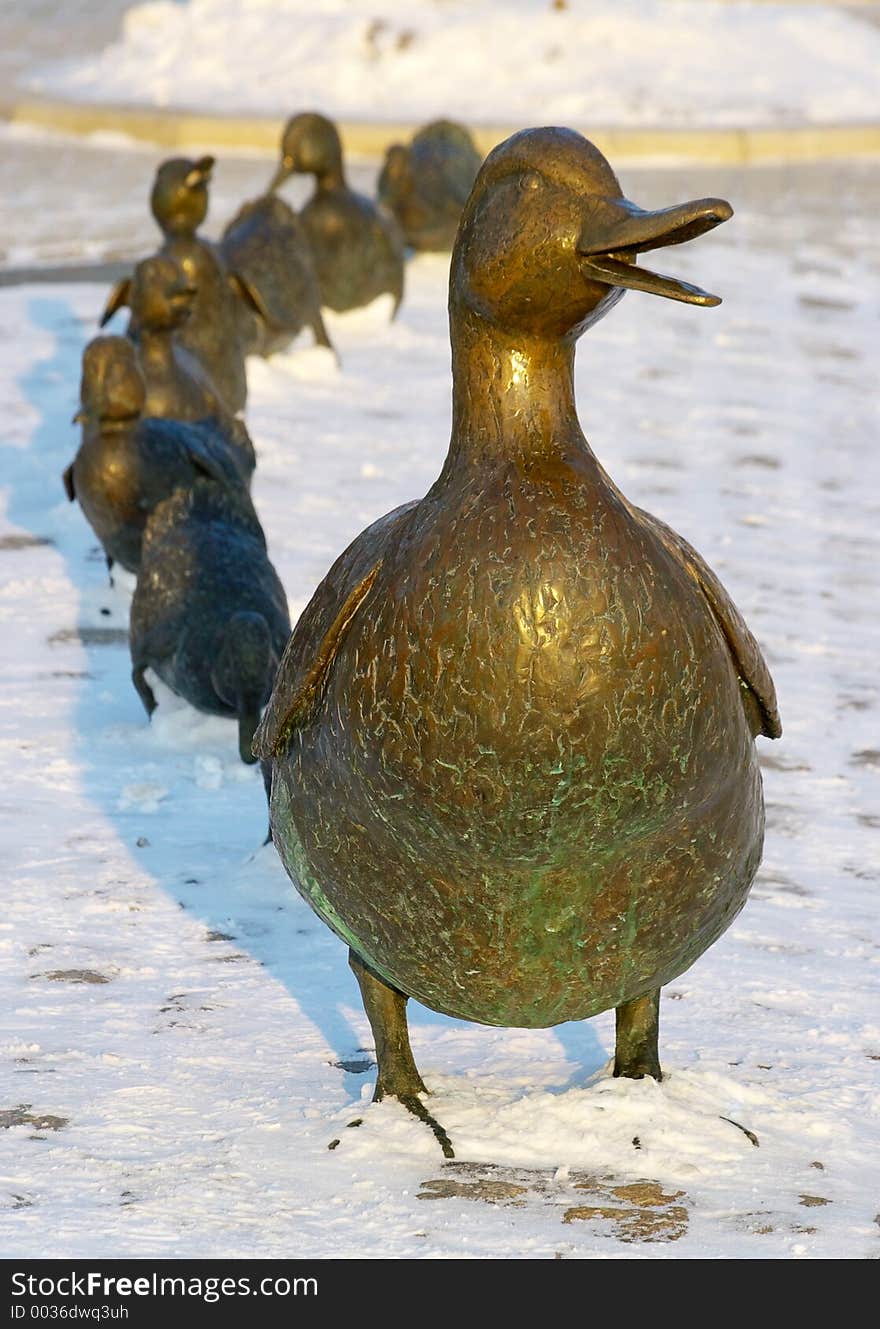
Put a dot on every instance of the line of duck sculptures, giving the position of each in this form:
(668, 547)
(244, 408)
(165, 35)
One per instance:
(165, 462)
(510, 746)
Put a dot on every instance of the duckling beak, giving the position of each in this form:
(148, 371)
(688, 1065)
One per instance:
(285, 170)
(80, 417)
(200, 173)
(619, 230)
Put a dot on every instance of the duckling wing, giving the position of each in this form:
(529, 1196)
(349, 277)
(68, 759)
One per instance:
(747, 658)
(171, 445)
(312, 648)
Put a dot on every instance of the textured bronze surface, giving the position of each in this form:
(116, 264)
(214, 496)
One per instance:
(179, 202)
(266, 247)
(358, 247)
(127, 464)
(209, 614)
(513, 731)
(427, 183)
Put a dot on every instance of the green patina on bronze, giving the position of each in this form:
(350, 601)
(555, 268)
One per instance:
(513, 731)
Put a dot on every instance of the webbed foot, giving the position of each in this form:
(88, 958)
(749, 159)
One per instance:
(398, 1075)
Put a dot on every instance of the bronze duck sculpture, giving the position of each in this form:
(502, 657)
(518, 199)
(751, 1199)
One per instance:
(127, 463)
(513, 732)
(178, 386)
(209, 614)
(266, 246)
(427, 183)
(179, 203)
(358, 247)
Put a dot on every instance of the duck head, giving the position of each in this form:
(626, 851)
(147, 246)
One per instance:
(310, 145)
(243, 672)
(161, 295)
(179, 199)
(548, 243)
(112, 387)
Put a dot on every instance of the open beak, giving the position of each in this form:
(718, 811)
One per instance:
(284, 171)
(200, 173)
(619, 230)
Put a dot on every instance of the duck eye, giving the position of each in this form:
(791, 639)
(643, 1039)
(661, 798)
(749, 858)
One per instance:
(530, 181)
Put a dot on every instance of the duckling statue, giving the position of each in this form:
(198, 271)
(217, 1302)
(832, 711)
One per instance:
(426, 184)
(358, 247)
(127, 464)
(179, 203)
(512, 734)
(266, 247)
(161, 300)
(209, 614)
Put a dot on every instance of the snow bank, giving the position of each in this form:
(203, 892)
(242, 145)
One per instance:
(626, 62)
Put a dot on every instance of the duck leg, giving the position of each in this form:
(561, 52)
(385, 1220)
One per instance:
(638, 1025)
(398, 1075)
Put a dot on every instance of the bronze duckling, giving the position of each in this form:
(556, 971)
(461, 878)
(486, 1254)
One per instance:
(127, 464)
(427, 184)
(209, 614)
(513, 732)
(179, 203)
(178, 385)
(358, 247)
(266, 246)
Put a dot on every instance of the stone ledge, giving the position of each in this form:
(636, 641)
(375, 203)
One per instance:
(190, 130)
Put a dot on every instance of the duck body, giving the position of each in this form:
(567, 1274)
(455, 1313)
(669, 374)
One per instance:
(358, 247)
(426, 184)
(267, 245)
(209, 614)
(509, 821)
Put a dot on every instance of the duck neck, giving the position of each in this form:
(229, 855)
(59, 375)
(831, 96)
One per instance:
(330, 177)
(155, 347)
(512, 395)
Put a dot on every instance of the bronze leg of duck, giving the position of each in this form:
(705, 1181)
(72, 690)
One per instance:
(638, 1024)
(398, 1075)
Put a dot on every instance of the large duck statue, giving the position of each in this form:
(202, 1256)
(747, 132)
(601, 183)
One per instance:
(512, 734)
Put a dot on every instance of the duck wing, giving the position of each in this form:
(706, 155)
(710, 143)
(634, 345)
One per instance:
(312, 648)
(170, 445)
(747, 658)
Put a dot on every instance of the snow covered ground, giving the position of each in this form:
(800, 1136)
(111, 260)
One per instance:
(584, 62)
(181, 1039)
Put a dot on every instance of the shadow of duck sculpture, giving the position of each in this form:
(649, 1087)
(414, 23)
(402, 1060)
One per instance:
(513, 732)
(427, 183)
(358, 247)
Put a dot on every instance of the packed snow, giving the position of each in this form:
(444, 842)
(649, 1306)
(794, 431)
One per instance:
(180, 1037)
(584, 62)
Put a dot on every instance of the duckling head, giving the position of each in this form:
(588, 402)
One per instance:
(310, 145)
(179, 199)
(112, 387)
(548, 243)
(242, 674)
(161, 295)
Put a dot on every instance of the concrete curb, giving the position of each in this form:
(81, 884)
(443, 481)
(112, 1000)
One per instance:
(186, 129)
